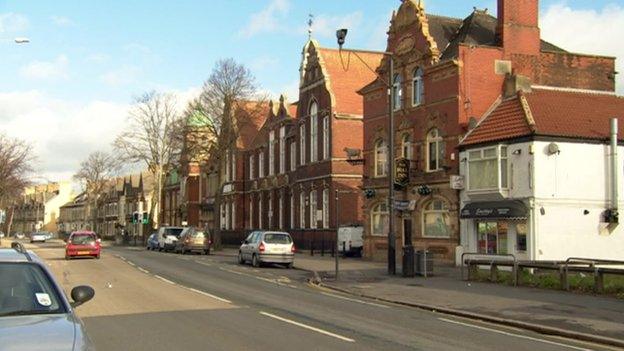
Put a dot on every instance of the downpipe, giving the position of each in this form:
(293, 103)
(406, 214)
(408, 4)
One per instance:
(614, 166)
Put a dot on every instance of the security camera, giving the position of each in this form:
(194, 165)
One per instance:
(341, 35)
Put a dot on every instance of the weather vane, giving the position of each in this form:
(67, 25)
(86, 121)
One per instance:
(310, 23)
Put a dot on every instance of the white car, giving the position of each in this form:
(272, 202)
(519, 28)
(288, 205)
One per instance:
(267, 247)
(168, 237)
(38, 237)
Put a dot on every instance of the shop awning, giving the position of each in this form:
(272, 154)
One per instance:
(509, 209)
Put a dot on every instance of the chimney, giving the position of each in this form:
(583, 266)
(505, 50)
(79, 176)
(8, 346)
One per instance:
(518, 31)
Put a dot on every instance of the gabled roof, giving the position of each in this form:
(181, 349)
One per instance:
(250, 117)
(550, 112)
(279, 111)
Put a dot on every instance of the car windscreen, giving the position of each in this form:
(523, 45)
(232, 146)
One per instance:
(25, 289)
(277, 238)
(85, 239)
(173, 231)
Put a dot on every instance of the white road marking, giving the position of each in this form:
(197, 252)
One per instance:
(143, 270)
(514, 335)
(203, 263)
(355, 300)
(121, 258)
(131, 263)
(164, 279)
(321, 331)
(210, 295)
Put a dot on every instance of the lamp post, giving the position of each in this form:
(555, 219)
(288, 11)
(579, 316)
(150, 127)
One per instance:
(341, 35)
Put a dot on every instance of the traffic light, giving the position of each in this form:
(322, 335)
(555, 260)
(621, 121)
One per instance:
(135, 217)
(145, 218)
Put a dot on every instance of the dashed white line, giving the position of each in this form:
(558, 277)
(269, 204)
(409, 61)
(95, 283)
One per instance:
(131, 263)
(514, 335)
(203, 263)
(321, 331)
(210, 295)
(164, 279)
(143, 270)
(355, 300)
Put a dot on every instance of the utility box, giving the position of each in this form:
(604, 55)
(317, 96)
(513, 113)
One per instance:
(424, 263)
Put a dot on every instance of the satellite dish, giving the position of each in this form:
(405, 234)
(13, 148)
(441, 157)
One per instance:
(553, 148)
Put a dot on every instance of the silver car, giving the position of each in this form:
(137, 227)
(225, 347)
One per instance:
(40, 237)
(267, 247)
(34, 311)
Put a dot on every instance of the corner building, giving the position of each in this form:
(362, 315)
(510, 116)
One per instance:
(448, 73)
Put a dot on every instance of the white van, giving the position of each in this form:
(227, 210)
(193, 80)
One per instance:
(350, 240)
(168, 237)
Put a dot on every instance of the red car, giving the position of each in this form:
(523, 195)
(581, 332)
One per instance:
(81, 244)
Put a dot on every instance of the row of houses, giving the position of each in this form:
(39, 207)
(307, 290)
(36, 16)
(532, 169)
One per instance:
(502, 138)
(112, 214)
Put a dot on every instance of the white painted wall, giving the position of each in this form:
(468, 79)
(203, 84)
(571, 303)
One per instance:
(564, 185)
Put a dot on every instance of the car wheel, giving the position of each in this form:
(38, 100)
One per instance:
(66, 257)
(207, 252)
(97, 256)
(160, 249)
(241, 260)
(289, 265)
(255, 261)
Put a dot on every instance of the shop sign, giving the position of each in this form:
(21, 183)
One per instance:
(404, 205)
(458, 182)
(401, 173)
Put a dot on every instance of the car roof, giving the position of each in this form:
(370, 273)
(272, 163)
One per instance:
(83, 233)
(11, 255)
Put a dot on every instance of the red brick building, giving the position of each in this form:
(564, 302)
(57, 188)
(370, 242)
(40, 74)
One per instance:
(448, 73)
(297, 161)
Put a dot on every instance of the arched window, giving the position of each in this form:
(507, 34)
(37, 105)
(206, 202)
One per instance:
(379, 219)
(418, 87)
(381, 158)
(313, 132)
(397, 92)
(435, 219)
(435, 151)
(406, 147)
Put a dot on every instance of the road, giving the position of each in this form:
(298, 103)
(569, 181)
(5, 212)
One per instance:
(160, 301)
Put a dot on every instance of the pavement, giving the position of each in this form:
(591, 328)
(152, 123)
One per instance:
(569, 314)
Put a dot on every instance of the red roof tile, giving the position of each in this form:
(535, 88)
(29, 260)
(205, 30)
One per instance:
(557, 113)
(344, 84)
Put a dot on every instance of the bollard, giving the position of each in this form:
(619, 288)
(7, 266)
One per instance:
(598, 281)
(311, 247)
(563, 278)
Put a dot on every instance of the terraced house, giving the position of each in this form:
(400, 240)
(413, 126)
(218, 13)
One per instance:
(450, 72)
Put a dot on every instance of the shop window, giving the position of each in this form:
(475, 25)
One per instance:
(492, 238)
(379, 219)
(521, 237)
(436, 221)
(488, 168)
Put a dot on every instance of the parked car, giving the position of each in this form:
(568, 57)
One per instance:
(19, 236)
(34, 312)
(152, 242)
(1, 234)
(193, 240)
(350, 240)
(49, 235)
(168, 237)
(81, 244)
(267, 247)
(38, 237)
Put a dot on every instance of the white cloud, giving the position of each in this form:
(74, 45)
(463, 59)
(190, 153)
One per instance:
(64, 132)
(12, 22)
(267, 20)
(325, 26)
(62, 21)
(57, 69)
(587, 31)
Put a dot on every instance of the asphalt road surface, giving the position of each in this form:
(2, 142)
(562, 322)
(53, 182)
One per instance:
(159, 301)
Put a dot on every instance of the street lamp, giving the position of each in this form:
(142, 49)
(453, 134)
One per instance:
(341, 35)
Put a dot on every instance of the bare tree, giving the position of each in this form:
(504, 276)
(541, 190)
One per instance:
(152, 138)
(16, 167)
(94, 174)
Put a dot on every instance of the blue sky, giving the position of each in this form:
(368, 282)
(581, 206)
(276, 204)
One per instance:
(87, 59)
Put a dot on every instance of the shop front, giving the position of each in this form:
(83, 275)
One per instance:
(495, 228)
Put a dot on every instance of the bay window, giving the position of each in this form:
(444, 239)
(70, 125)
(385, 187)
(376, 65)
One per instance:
(488, 168)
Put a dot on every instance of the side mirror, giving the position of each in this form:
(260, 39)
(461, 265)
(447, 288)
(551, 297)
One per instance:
(81, 294)
(245, 242)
